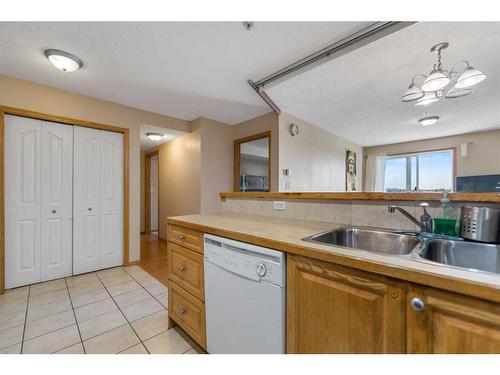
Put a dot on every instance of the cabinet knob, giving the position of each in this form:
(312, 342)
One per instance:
(182, 311)
(417, 304)
(181, 237)
(182, 268)
(90, 208)
(54, 211)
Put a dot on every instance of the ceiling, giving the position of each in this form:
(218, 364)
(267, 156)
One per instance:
(357, 95)
(169, 135)
(180, 69)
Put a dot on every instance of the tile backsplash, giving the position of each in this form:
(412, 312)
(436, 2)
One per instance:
(355, 212)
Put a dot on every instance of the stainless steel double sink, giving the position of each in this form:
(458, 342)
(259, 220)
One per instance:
(449, 251)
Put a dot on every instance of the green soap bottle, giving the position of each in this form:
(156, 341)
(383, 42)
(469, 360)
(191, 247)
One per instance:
(446, 224)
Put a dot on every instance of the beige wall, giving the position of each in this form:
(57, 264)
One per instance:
(267, 122)
(216, 163)
(142, 190)
(39, 98)
(484, 156)
(180, 178)
(316, 158)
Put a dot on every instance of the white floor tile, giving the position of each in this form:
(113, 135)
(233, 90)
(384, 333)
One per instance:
(73, 349)
(43, 311)
(100, 324)
(48, 286)
(12, 319)
(11, 336)
(132, 297)
(136, 349)
(91, 297)
(151, 325)
(141, 309)
(53, 341)
(95, 309)
(112, 342)
(51, 323)
(169, 342)
(118, 289)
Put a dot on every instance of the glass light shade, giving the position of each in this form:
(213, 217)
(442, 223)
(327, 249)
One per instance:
(63, 60)
(428, 120)
(413, 93)
(436, 81)
(469, 77)
(457, 93)
(155, 137)
(428, 98)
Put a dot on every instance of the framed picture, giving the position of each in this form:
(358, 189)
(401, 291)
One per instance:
(350, 171)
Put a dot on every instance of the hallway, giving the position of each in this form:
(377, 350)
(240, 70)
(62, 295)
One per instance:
(154, 256)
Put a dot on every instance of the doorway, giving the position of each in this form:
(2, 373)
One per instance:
(152, 168)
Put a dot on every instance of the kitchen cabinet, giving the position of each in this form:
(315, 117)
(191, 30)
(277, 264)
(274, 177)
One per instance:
(444, 322)
(185, 270)
(335, 309)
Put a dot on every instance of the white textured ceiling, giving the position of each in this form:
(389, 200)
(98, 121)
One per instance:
(169, 135)
(181, 69)
(357, 96)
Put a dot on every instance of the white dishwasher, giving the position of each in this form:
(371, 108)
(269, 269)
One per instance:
(244, 297)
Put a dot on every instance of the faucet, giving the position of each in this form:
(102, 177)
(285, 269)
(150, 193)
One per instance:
(425, 222)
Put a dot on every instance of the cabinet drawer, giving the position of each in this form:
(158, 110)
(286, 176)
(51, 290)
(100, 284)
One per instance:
(189, 238)
(188, 312)
(186, 269)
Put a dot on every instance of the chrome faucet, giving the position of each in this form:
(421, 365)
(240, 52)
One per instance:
(425, 222)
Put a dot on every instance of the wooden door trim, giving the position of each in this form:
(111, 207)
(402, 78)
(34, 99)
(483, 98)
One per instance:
(147, 190)
(237, 155)
(4, 110)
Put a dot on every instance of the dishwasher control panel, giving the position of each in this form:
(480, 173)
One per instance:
(250, 261)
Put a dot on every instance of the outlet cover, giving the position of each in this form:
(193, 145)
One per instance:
(279, 205)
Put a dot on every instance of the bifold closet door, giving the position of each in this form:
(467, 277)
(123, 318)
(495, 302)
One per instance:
(22, 164)
(112, 190)
(38, 159)
(98, 200)
(57, 201)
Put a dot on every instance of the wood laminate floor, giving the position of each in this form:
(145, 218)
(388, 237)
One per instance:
(154, 256)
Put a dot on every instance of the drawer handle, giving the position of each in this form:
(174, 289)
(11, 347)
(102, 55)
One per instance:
(181, 237)
(182, 268)
(417, 304)
(182, 311)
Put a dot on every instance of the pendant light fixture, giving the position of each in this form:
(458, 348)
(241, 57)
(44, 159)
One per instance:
(439, 79)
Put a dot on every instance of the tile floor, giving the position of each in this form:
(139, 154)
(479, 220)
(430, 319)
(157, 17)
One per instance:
(118, 310)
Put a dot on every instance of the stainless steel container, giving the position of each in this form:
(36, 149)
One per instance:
(480, 224)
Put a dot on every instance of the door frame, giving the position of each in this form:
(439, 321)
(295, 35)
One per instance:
(147, 190)
(237, 156)
(4, 110)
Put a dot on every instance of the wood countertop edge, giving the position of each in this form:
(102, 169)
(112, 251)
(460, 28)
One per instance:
(457, 285)
(416, 196)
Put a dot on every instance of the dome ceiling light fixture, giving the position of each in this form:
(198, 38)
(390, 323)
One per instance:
(155, 137)
(428, 120)
(64, 61)
(441, 82)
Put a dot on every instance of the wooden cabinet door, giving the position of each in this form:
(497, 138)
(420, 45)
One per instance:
(334, 309)
(451, 323)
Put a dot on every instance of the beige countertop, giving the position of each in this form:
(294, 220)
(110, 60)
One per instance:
(286, 235)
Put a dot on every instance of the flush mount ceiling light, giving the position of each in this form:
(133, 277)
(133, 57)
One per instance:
(155, 137)
(63, 60)
(436, 83)
(428, 120)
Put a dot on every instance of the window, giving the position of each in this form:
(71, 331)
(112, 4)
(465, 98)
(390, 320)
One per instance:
(426, 171)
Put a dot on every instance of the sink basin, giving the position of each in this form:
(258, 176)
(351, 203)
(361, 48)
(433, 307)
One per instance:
(471, 255)
(379, 241)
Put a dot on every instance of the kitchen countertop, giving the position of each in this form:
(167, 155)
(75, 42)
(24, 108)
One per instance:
(286, 235)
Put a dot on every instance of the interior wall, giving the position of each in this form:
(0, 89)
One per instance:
(216, 162)
(154, 193)
(142, 167)
(483, 157)
(44, 99)
(315, 158)
(266, 122)
(179, 178)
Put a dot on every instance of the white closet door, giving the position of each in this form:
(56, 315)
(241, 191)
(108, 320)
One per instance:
(57, 201)
(112, 199)
(86, 200)
(22, 162)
